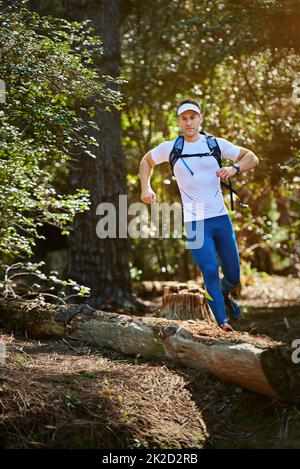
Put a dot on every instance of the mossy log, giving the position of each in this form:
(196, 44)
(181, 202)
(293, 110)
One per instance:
(256, 363)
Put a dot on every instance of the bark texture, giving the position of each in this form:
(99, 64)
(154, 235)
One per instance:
(101, 264)
(185, 302)
(256, 363)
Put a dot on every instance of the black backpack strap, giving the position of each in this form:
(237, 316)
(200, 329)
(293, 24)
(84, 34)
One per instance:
(176, 151)
(229, 186)
(191, 155)
(215, 152)
(214, 147)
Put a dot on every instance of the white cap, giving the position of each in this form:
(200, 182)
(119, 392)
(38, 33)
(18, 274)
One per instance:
(188, 107)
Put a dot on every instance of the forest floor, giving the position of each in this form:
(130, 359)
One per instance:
(67, 394)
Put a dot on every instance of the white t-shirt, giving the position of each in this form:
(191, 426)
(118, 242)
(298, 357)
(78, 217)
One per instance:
(201, 193)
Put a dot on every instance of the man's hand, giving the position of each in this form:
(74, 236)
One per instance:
(148, 196)
(225, 173)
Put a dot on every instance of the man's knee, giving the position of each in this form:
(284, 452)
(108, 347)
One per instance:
(210, 271)
(233, 279)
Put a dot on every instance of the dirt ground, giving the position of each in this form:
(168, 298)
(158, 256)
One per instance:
(67, 394)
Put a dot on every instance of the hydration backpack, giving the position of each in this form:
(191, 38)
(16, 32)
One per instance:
(215, 151)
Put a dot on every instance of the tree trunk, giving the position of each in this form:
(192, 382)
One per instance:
(184, 302)
(255, 363)
(101, 264)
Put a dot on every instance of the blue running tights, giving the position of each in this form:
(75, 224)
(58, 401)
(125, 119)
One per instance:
(219, 247)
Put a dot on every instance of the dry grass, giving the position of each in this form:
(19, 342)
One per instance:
(65, 394)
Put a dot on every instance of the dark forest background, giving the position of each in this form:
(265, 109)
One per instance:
(92, 85)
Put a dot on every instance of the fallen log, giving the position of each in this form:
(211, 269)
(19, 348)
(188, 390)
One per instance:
(258, 364)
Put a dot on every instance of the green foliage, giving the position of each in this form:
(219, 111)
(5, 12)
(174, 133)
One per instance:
(73, 401)
(227, 56)
(52, 83)
(27, 280)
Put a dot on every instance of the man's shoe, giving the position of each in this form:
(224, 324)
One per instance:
(226, 327)
(232, 307)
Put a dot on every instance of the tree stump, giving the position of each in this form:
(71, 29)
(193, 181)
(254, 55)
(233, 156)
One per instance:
(185, 302)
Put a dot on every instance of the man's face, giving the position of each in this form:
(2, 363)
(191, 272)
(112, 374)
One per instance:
(189, 122)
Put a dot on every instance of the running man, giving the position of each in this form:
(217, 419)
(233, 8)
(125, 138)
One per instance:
(198, 180)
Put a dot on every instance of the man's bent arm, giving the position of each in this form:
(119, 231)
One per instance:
(246, 160)
(146, 165)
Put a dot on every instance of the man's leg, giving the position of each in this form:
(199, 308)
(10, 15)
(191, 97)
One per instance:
(227, 249)
(205, 258)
